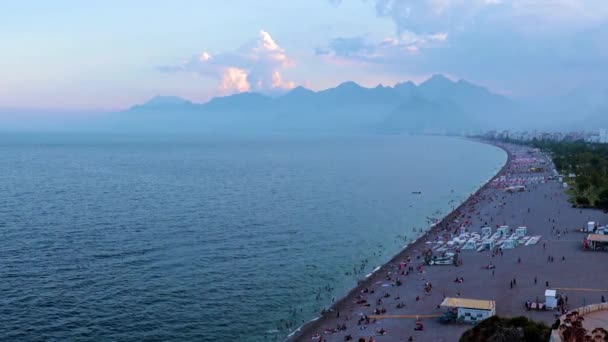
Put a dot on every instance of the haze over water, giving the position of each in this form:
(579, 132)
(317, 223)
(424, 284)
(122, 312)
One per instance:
(209, 238)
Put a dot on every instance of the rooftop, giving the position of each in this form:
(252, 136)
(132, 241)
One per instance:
(597, 237)
(469, 303)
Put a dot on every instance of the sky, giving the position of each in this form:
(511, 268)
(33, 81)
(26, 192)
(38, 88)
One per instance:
(108, 55)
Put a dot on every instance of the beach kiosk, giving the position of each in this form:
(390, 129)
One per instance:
(596, 242)
(469, 310)
(521, 231)
(550, 299)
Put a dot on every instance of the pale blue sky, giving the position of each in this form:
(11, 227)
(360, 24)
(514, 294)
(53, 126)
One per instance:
(98, 55)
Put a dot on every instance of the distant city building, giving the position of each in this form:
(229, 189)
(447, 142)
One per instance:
(603, 138)
(588, 136)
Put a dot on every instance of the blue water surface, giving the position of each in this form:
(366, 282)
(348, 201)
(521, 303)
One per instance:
(226, 238)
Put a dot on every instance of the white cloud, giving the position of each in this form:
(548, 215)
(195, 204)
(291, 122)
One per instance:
(431, 16)
(391, 49)
(204, 57)
(234, 80)
(513, 44)
(256, 66)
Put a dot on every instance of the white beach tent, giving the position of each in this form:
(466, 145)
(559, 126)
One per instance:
(590, 226)
(503, 230)
(486, 231)
(550, 299)
(487, 244)
(521, 231)
(509, 244)
(471, 244)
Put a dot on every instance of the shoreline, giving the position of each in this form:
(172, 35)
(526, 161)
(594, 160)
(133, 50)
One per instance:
(315, 323)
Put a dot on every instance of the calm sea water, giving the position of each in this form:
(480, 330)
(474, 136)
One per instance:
(106, 238)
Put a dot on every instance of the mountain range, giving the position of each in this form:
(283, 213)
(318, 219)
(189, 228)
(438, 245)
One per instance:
(438, 105)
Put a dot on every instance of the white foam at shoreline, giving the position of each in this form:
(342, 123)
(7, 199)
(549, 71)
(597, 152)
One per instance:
(372, 272)
(300, 327)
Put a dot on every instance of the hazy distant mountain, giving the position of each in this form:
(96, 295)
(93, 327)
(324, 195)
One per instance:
(238, 102)
(425, 116)
(461, 92)
(437, 104)
(164, 104)
(297, 94)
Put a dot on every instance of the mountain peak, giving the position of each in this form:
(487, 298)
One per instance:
(162, 103)
(438, 79)
(405, 85)
(237, 101)
(160, 100)
(437, 84)
(300, 90)
(349, 85)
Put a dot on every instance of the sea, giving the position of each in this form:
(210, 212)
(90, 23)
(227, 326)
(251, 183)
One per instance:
(210, 238)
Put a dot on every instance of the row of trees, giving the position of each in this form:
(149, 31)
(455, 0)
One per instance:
(572, 329)
(589, 162)
(522, 329)
(502, 329)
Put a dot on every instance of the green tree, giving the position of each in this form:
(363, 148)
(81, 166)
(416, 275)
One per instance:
(517, 329)
(602, 201)
(582, 201)
(582, 185)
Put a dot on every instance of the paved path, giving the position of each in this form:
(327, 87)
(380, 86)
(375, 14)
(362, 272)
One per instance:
(596, 319)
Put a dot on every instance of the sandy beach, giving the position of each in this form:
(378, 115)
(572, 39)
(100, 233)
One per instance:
(397, 296)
